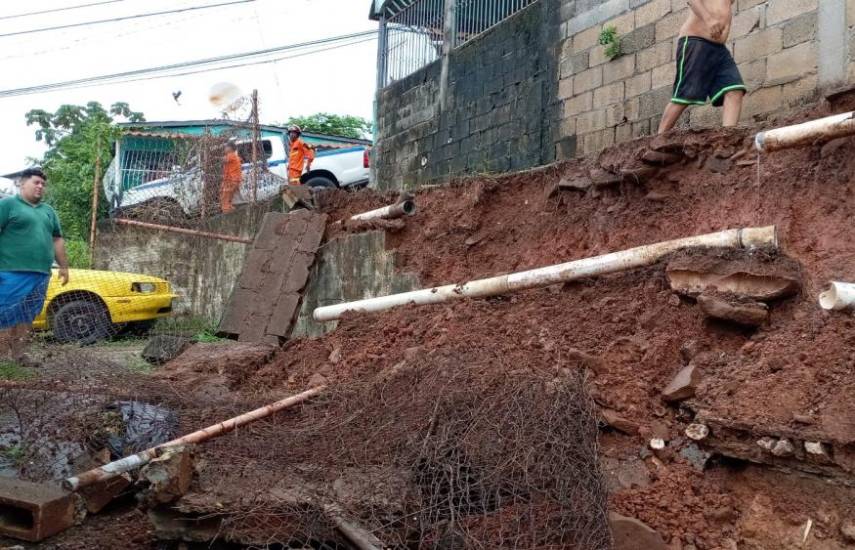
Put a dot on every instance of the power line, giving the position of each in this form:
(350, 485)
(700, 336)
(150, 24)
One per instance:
(124, 18)
(17, 15)
(221, 68)
(186, 64)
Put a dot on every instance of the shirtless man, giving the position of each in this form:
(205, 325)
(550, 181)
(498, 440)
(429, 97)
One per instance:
(705, 69)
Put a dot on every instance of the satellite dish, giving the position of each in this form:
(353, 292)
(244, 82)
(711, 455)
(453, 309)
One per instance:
(225, 96)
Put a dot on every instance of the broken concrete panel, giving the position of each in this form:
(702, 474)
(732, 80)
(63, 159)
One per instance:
(163, 348)
(742, 275)
(621, 424)
(748, 313)
(277, 269)
(622, 474)
(683, 385)
(631, 534)
(33, 511)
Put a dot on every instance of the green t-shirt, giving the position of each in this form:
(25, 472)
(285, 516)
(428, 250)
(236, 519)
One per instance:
(26, 235)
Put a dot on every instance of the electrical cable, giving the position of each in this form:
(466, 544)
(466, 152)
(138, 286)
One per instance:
(123, 76)
(17, 15)
(124, 18)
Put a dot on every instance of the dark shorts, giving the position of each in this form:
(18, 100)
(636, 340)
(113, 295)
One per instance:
(705, 72)
(22, 295)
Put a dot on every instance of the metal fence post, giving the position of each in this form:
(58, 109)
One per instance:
(382, 48)
(448, 42)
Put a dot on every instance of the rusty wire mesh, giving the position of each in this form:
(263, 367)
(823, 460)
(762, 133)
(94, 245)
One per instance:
(436, 453)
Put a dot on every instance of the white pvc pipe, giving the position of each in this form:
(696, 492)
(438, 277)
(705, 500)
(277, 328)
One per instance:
(838, 296)
(403, 208)
(806, 133)
(545, 276)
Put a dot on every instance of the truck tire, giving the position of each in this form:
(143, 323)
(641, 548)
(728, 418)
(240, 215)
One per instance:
(82, 322)
(320, 181)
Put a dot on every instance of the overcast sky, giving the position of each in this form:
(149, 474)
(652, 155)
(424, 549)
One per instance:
(339, 81)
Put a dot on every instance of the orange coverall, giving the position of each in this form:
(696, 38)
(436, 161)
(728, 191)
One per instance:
(299, 154)
(231, 180)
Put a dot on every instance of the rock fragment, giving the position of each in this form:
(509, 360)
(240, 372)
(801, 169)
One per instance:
(847, 529)
(631, 534)
(747, 313)
(683, 385)
(766, 443)
(815, 448)
(783, 448)
(618, 422)
(697, 432)
(163, 348)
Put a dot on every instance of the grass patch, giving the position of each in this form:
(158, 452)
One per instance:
(139, 365)
(9, 370)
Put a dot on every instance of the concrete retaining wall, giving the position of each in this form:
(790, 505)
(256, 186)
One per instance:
(539, 87)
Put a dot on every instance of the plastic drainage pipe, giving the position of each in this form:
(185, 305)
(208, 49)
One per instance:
(399, 210)
(806, 133)
(600, 265)
(838, 296)
(118, 467)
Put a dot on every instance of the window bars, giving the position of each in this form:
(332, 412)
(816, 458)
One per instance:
(413, 37)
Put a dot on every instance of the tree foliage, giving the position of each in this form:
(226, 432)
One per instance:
(76, 135)
(333, 125)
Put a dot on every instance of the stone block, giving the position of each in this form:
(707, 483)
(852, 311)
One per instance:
(801, 91)
(632, 108)
(743, 313)
(591, 121)
(615, 115)
(753, 73)
(597, 56)
(565, 88)
(641, 128)
(801, 29)
(33, 511)
(624, 24)
(651, 12)
(668, 26)
(588, 80)
(791, 64)
(623, 132)
(758, 45)
(586, 39)
(607, 95)
(638, 84)
(653, 102)
(596, 141)
(850, 13)
(168, 476)
(663, 75)
(781, 10)
(745, 22)
(619, 69)
(579, 104)
(747, 4)
(705, 116)
(639, 39)
(655, 56)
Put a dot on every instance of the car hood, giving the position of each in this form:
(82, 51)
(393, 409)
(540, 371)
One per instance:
(111, 276)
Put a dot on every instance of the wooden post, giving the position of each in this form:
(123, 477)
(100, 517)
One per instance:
(93, 226)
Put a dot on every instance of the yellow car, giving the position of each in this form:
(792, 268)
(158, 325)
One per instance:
(96, 304)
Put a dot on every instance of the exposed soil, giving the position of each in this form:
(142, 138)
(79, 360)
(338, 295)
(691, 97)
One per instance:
(630, 333)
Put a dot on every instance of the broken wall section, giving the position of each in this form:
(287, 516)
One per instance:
(350, 267)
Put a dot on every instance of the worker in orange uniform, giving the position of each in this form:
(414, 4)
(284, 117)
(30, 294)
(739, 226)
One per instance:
(231, 177)
(301, 155)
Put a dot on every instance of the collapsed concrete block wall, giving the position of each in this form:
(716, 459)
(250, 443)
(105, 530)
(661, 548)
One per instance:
(498, 114)
(539, 87)
(348, 268)
(201, 271)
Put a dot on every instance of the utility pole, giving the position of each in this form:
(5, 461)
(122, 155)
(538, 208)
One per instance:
(96, 184)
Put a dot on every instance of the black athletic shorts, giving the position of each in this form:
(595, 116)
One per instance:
(705, 72)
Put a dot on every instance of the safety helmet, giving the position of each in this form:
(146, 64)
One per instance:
(295, 128)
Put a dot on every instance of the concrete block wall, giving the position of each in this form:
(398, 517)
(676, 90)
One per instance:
(499, 111)
(787, 51)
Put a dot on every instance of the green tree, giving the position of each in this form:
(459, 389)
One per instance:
(76, 135)
(333, 125)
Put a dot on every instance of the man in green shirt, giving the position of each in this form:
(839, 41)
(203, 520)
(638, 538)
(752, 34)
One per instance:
(30, 241)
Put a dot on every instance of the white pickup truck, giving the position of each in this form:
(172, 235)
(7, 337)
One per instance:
(344, 167)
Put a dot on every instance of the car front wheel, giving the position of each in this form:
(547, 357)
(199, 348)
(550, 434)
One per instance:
(320, 181)
(82, 322)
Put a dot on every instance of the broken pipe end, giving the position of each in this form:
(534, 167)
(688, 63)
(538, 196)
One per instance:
(753, 237)
(838, 296)
(759, 141)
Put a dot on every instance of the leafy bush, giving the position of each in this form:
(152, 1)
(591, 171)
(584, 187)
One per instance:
(610, 39)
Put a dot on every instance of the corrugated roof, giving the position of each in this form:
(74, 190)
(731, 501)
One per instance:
(239, 124)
